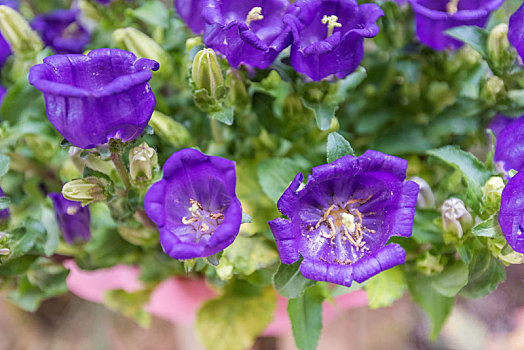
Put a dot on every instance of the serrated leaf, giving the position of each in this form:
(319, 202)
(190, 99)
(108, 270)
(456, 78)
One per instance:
(289, 282)
(305, 314)
(224, 115)
(386, 287)
(4, 164)
(324, 112)
(153, 13)
(474, 36)
(275, 175)
(53, 231)
(337, 147)
(22, 242)
(451, 280)
(233, 322)
(130, 304)
(486, 228)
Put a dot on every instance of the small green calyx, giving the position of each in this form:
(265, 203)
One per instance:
(85, 190)
(332, 23)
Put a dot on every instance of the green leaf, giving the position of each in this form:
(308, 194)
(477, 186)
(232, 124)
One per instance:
(22, 241)
(386, 287)
(425, 230)
(248, 254)
(323, 111)
(436, 305)
(289, 282)
(130, 304)
(275, 175)
(450, 281)
(246, 218)
(4, 203)
(153, 13)
(53, 232)
(474, 36)
(486, 228)
(233, 322)
(224, 115)
(4, 164)
(485, 274)
(351, 82)
(337, 147)
(26, 296)
(305, 314)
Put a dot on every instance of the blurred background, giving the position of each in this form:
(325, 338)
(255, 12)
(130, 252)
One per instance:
(68, 322)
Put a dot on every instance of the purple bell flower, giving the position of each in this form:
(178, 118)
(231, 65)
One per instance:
(433, 17)
(195, 206)
(509, 149)
(61, 31)
(246, 32)
(511, 215)
(72, 218)
(92, 98)
(191, 12)
(342, 219)
(4, 214)
(516, 30)
(328, 35)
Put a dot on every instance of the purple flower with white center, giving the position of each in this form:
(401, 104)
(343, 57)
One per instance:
(511, 215)
(516, 30)
(93, 98)
(509, 149)
(61, 31)
(433, 17)
(328, 35)
(72, 218)
(4, 214)
(191, 12)
(195, 205)
(247, 32)
(342, 219)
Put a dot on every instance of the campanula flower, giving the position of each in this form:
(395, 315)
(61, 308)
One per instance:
(72, 218)
(194, 205)
(433, 17)
(516, 30)
(4, 214)
(328, 35)
(92, 98)
(511, 215)
(191, 12)
(246, 32)
(509, 149)
(61, 31)
(341, 221)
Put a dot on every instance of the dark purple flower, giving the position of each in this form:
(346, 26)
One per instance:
(195, 206)
(433, 17)
(328, 35)
(509, 149)
(92, 98)
(61, 31)
(104, 2)
(342, 219)
(11, 3)
(516, 30)
(191, 12)
(4, 214)
(246, 31)
(499, 122)
(511, 215)
(73, 219)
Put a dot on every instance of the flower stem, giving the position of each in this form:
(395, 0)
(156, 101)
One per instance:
(116, 156)
(215, 129)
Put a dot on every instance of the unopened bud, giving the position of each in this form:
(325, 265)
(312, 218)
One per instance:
(425, 198)
(492, 191)
(17, 32)
(142, 160)
(499, 47)
(494, 88)
(142, 46)
(455, 217)
(207, 79)
(85, 190)
(238, 95)
(140, 236)
(169, 130)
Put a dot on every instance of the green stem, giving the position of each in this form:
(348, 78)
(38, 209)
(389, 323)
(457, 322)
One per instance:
(121, 169)
(215, 129)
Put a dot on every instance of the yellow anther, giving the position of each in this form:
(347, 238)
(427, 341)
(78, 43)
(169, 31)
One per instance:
(452, 7)
(255, 14)
(331, 22)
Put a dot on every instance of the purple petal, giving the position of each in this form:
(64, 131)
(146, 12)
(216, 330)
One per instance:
(511, 215)
(516, 30)
(72, 218)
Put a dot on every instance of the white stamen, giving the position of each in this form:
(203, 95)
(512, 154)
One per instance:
(255, 14)
(331, 22)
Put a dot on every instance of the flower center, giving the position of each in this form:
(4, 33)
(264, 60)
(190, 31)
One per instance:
(255, 14)
(452, 7)
(203, 221)
(332, 23)
(344, 222)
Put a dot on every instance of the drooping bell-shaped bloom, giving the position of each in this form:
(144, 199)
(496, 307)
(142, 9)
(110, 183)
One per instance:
(247, 32)
(61, 31)
(509, 149)
(194, 205)
(4, 214)
(73, 219)
(328, 35)
(511, 215)
(433, 17)
(341, 221)
(516, 30)
(92, 98)
(191, 12)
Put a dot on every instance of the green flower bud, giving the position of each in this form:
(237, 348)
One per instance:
(139, 236)
(17, 32)
(86, 190)
(142, 46)
(499, 50)
(492, 191)
(238, 95)
(169, 130)
(455, 217)
(425, 199)
(494, 89)
(208, 80)
(142, 160)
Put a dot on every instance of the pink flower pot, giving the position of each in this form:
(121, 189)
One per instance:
(178, 299)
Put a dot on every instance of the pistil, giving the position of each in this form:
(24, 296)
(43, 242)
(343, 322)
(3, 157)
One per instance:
(332, 23)
(255, 14)
(204, 222)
